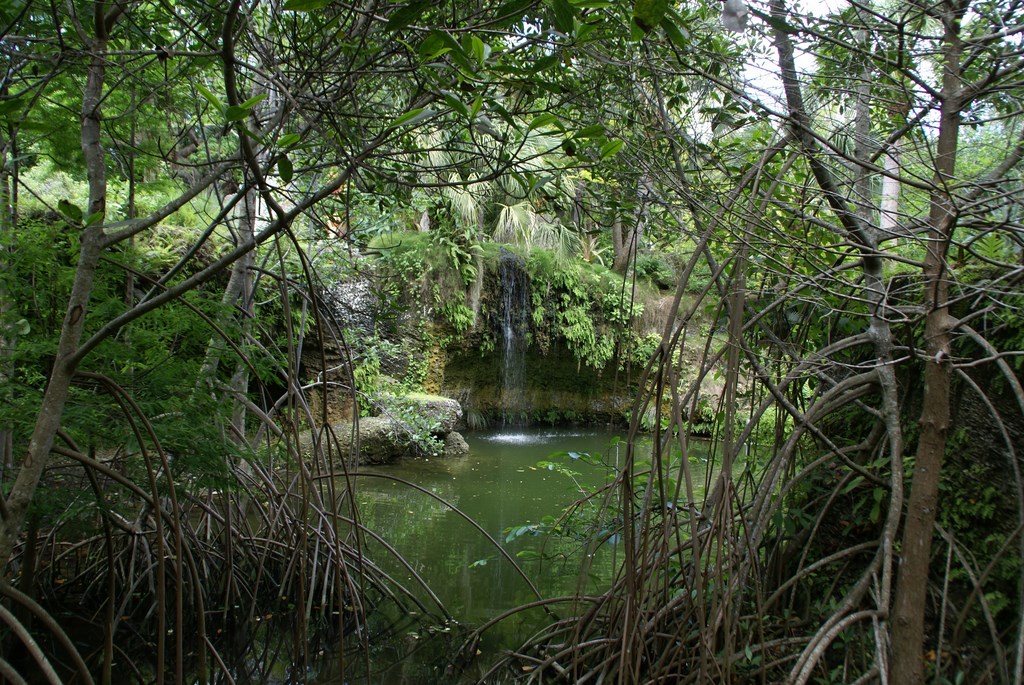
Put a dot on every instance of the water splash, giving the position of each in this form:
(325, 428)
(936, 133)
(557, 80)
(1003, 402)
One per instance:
(515, 311)
(534, 437)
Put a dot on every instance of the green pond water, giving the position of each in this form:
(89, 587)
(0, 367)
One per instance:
(514, 484)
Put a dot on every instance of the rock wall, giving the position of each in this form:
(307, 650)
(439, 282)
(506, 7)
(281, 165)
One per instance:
(555, 389)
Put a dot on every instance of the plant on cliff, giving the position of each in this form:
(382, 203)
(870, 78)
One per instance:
(594, 311)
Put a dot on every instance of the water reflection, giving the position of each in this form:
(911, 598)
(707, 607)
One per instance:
(501, 487)
(526, 489)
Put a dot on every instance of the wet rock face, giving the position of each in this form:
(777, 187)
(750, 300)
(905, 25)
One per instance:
(354, 304)
(555, 390)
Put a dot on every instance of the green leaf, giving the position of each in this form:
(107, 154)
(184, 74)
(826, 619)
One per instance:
(455, 103)
(477, 105)
(853, 485)
(438, 43)
(611, 148)
(546, 63)
(481, 51)
(404, 16)
(544, 119)
(433, 46)
(512, 12)
(210, 97)
(636, 34)
(70, 210)
(674, 34)
(253, 101)
(780, 25)
(12, 106)
(249, 133)
(10, 9)
(236, 113)
(285, 169)
(413, 116)
(564, 16)
(592, 131)
(305, 5)
(289, 139)
(648, 13)
(503, 113)
(94, 218)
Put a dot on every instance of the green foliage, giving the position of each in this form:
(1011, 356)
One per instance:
(429, 269)
(586, 305)
(411, 426)
(157, 359)
(974, 509)
(656, 268)
(458, 315)
(366, 364)
(49, 186)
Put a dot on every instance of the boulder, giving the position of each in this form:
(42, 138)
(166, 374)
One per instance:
(378, 443)
(455, 445)
(383, 439)
(446, 412)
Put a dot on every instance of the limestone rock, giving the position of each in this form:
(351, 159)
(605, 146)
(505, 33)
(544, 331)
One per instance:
(455, 445)
(377, 440)
(446, 411)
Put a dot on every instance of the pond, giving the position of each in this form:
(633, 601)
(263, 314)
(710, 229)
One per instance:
(515, 485)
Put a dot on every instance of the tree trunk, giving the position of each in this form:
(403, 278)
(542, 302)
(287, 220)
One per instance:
(889, 218)
(858, 227)
(912, 582)
(51, 411)
(7, 184)
(246, 304)
(624, 244)
(620, 259)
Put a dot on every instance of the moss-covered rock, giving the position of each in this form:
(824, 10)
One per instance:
(379, 441)
(455, 445)
(445, 411)
(384, 439)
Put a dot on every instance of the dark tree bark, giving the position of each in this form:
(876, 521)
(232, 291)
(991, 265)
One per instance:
(912, 581)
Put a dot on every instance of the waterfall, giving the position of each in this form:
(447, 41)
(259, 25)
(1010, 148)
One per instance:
(514, 322)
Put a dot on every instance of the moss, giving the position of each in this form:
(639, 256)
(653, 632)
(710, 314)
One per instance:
(426, 397)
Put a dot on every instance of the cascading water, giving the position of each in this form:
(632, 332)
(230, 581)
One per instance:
(515, 311)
